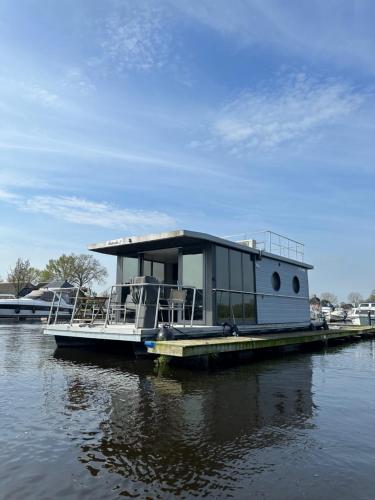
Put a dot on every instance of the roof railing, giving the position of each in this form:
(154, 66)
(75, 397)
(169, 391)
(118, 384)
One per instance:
(269, 241)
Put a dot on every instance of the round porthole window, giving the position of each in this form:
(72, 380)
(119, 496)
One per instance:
(296, 285)
(276, 282)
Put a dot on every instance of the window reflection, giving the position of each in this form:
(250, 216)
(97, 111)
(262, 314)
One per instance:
(129, 268)
(234, 275)
(192, 275)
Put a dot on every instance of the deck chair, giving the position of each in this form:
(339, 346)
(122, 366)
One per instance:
(175, 303)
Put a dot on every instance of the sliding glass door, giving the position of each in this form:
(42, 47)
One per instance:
(192, 264)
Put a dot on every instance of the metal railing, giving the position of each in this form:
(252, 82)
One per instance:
(269, 241)
(59, 294)
(117, 310)
(148, 302)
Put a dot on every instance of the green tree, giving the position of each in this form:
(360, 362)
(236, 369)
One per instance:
(80, 270)
(372, 297)
(23, 273)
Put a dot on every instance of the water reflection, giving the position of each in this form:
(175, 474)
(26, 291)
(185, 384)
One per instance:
(92, 425)
(188, 432)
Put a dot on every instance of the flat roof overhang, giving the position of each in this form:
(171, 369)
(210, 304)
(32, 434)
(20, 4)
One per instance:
(131, 245)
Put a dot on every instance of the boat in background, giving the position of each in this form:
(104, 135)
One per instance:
(36, 305)
(338, 314)
(364, 314)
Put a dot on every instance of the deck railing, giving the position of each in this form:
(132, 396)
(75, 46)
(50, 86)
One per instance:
(269, 241)
(140, 304)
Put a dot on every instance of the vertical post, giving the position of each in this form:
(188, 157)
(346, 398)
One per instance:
(74, 307)
(108, 308)
(58, 308)
(193, 307)
(157, 308)
(139, 306)
(51, 310)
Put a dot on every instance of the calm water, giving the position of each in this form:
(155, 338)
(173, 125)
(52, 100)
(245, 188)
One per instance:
(79, 425)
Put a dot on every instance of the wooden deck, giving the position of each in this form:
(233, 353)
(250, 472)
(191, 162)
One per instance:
(216, 345)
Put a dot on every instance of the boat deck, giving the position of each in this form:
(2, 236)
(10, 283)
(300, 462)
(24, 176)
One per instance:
(129, 333)
(201, 347)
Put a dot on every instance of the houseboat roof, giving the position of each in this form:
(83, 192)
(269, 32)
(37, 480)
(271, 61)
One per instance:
(179, 238)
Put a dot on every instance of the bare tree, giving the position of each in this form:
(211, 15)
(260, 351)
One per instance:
(355, 298)
(80, 270)
(23, 273)
(372, 297)
(329, 297)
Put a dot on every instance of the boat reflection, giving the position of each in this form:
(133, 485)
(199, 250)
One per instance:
(188, 431)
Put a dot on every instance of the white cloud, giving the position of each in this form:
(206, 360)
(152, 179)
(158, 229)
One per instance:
(29, 91)
(76, 78)
(8, 196)
(20, 178)
(81, 211)
(41, 95)
(136, 37)
(288, 110)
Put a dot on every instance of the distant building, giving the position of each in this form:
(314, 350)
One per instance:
(315, 302)
(8, 287)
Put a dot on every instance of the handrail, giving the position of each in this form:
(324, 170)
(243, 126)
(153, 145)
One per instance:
(90, 308)
(141, 302)
(113, 307)
(261, 293)
(54, 311)
(287, 247)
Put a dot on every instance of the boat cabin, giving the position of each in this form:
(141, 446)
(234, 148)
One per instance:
(224, 281)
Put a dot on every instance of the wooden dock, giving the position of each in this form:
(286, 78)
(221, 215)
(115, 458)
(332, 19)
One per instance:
(217, 345)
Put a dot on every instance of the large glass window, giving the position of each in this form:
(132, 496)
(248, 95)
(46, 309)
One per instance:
(235, 270)
(192, 270)
(222, 268)
(249, 308)
(236, 307)
(158, 271)
(147, 268)
(192, 275)
(155, 269)
(247, 273)
(129, 268)
(223, 306)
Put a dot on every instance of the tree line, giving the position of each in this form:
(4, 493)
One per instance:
(81, 270)
(353, 298)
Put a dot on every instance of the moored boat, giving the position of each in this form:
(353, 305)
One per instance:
(364, 314)
(35, 305)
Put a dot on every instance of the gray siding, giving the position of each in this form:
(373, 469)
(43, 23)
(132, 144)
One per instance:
(276, 307)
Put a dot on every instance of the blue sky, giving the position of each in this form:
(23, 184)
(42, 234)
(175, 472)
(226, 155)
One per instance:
(126, 117)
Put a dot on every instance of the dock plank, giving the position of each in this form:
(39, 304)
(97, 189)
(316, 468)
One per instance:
(215, 345)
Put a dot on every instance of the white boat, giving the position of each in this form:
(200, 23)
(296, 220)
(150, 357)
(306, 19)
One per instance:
(364, 314)
(326, 311)
(338, 314)
(353, 314)
(35, 305)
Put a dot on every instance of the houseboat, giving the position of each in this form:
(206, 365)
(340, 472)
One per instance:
(190, 284)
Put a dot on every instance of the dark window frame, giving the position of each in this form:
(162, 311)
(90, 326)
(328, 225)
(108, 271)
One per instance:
(296, 285)
(276, 281)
